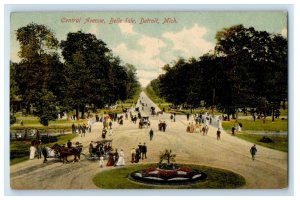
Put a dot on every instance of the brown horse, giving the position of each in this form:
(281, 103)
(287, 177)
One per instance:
(64, 152)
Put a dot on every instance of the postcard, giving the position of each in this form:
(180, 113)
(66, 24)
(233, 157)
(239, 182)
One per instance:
(149, 100)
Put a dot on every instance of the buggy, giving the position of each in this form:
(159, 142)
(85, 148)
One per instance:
(144, 122)
(100, 148)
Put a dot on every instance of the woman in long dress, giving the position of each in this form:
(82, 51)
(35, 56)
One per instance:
(121, 160)
(32, 152)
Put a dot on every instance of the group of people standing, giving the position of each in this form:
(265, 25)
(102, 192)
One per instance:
(138, 153)
(192, 128)
(81, 129)
(114, 159)
(162, 126)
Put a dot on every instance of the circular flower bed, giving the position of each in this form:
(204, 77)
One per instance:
(168, 175)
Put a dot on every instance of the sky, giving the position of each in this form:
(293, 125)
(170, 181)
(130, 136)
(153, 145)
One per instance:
(149, 40)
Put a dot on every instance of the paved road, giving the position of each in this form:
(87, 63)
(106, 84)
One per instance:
(269, 170)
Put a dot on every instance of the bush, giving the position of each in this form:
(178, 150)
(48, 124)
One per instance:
(48, 139)
(13, 119)
(266, 140)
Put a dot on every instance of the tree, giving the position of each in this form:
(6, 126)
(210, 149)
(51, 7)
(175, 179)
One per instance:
(38, 47)
(87, 70)
(132, 84)
(45, 105)
(258, 65)
(168, 156)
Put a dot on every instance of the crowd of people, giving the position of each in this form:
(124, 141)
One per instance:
(199, 124)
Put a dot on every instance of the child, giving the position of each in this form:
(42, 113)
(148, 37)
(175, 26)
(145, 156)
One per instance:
(101, 162)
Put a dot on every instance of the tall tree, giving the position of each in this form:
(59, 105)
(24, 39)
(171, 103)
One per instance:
(87, 73)
(38, 47)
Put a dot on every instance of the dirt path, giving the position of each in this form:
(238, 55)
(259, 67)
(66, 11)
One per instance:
(269, 170)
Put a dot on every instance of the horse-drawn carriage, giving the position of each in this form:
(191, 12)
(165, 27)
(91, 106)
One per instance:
(144, 122)
(99, 148)
(62, 152)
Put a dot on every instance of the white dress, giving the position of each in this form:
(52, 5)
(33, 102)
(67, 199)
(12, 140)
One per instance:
(32, 152)
(121, 160)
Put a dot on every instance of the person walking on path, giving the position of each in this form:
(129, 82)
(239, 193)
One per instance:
(144, 151)
(218, 134)
(121, 160)
(73, 128)
(116, 157)
(253, 151)
(151, 134)
(39, 150)
(233, 130)
(133, 152)
(187, 116)
(32, 151)
(110, 124)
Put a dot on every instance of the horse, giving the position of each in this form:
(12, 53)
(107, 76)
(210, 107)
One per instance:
(64, 152)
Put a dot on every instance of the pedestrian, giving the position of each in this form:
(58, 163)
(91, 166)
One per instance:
(137, 155)
(164, 126)
(218, 134)
(90, 128)
(101, 162)
(83, 130)
(174, 117)
(121, 160)
(140, 147)
(206, 129)
(39, 150)
(192, 128)
(79, 128)
(188, 128)
(32, 151)
(187, 116)
(253, 151)
(116, 157)
(144, 151)
(104, 133)
(171, 117)
(110, 124)
(133, 152)
(151, 134)
(233, 130)
(73, 128)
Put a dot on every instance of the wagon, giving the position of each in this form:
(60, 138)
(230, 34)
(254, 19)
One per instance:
(144, 122)
(99, 148)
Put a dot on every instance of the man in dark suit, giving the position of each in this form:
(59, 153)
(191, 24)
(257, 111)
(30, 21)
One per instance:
(144, 151)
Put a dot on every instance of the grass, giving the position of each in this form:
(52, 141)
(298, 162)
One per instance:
(19, 150)
(258, 125)
(280, 142)
(216, 179)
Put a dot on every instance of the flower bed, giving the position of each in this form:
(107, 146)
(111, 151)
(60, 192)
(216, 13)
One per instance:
(177, 175)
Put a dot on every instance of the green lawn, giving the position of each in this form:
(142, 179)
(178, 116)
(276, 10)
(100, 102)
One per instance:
(19, 150)
(216, 179)
(280, 142)
(258, 125)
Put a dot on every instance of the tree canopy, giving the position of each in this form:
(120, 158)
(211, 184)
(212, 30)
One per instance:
(87, 73)
(246, 68)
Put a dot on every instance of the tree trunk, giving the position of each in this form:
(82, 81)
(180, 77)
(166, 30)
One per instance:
(77, 112)
(27, 109)
(82, 111)
(273, 115)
